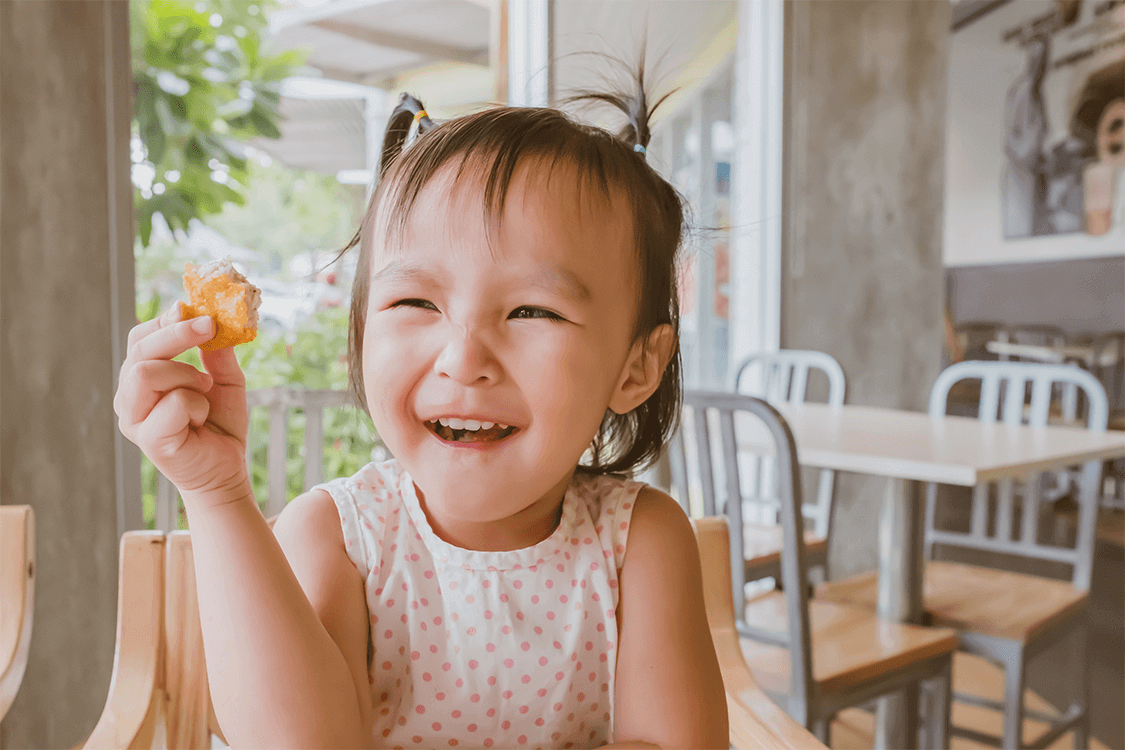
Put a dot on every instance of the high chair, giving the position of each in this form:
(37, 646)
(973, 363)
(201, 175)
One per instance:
(17, 597)
(159, 697)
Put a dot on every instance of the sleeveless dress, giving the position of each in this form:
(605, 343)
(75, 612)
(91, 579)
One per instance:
(485, 649)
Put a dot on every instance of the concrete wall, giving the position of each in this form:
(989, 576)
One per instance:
(862, 274)
(66, 286)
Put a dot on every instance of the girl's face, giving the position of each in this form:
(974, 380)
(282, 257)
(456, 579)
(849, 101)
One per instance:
(527, 339)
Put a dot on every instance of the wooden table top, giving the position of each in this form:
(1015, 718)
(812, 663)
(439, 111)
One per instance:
(913, 445)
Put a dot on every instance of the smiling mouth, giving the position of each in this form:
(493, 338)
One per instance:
(490, 434)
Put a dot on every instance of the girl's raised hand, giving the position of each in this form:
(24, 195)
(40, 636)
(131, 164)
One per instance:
(191, 424)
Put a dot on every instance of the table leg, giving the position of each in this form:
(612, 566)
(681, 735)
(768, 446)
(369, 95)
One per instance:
(901, 521)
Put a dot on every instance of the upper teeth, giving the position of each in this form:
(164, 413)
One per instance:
(468, 424)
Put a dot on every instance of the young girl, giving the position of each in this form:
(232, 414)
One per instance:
(499, 584)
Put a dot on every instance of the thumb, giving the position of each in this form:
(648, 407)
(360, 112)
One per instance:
(223, 366)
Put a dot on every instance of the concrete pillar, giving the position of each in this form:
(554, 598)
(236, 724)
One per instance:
(66, 235)
(862, 274)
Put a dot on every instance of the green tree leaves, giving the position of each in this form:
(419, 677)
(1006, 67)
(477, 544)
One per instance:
(204, 83)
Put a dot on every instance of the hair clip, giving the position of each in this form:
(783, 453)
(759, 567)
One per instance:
(639, 148)
(421, 113)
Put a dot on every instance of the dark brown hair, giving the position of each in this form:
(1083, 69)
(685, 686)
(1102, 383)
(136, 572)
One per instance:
(493, 144)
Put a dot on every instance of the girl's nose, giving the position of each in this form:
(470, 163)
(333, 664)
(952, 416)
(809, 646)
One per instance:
(466, 359)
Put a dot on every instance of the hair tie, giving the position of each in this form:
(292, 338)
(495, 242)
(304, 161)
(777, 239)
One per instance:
(638, 147)
(421, 113)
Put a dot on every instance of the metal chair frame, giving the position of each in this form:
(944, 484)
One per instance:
(803, 702)
(1003, 394)
(785, 380)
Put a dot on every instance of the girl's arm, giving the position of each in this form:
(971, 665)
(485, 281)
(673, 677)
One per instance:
(669, 690)
(284, 623)
(280, 645)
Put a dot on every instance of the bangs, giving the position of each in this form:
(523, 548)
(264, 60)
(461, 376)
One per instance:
(488, 148)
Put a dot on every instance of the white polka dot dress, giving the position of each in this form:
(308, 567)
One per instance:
(477, 649)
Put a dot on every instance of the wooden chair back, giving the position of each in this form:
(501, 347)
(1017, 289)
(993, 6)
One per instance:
(755, 720)
(721, 442)
(158, 694)
(1022, 393)
(783, 377)
(17, 597)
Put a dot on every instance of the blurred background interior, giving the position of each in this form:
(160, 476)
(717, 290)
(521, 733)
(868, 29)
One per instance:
(901, 184)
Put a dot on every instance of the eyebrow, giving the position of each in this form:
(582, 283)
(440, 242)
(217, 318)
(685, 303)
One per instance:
(553, 280)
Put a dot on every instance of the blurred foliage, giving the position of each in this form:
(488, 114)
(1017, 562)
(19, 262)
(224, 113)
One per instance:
(313, 358)
(204, 83)
(290, 213)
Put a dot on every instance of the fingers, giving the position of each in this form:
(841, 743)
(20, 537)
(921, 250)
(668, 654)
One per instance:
(166, 428)
(169, 341)
(170, 316)
(145, 382)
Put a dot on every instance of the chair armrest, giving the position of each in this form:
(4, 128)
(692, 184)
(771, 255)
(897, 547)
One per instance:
(755, 720)
(17, 597)
(135, 694)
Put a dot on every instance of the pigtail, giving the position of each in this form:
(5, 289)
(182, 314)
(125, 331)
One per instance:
(632, 101)
(408, 120)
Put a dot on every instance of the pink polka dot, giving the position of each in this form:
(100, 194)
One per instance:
(525, 646)
(403, 618)
(587, 540)
(593, 676)
(429, 574)
(557, 644)
(470, 599)
(425, 676)
(492, 680)
(425, 602)
(414, 605)
(559, 676)
(538, 630)
(490, 647)
(422, 624)
(603, 657)
(557, 707)
(519, 615)
(488, 614)
(417, 738)
(507, 629)
(542, 661)
(488, 742)
(539, 722)
(473, 663)
(550, 615)
(561, 567)
(507, 694)
(420, 709)
(388, 634)
(475, 697)
(433, 647)
(589, 645)
(526, 679)
(386, 665)
(549, 583)
(472, 727)
(471, 631)
(563, 599)
(490, 712)
(517, 584)
(535, 597)
(581, 697)
(437, 726)
(593, 566)
(503, 597)
(460, 682)
(624, 525)
(415, 655)
(452, 742)
(456, 714)
(542, 692)
(486, 584)
(437, 621)
(446, 667)
(505, 724)
(508, 663)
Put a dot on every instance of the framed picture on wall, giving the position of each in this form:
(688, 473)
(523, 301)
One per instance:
(1035, 150)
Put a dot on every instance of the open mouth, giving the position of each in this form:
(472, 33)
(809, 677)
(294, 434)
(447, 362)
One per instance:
(469, 431)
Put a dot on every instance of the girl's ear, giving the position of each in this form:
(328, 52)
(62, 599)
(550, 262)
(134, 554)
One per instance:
(643, 370)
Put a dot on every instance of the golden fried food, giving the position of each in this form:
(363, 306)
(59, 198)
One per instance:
(219, 290)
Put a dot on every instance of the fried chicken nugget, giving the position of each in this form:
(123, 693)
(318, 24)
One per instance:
(217, 289)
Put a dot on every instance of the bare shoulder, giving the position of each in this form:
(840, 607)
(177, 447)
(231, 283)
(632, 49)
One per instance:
(669, 690)
(659, 529)
(311, 516)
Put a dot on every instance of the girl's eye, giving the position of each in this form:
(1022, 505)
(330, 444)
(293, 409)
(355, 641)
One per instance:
(414, 302)
(532, 313)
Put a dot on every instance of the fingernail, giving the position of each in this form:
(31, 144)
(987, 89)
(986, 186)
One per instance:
(174, 313)
(201, 324)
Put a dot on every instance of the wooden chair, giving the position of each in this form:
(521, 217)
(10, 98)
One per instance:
(783, 378)
(838, 656)
(159, 696)
(17, 597)
(755, 720)
(1009, 617)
